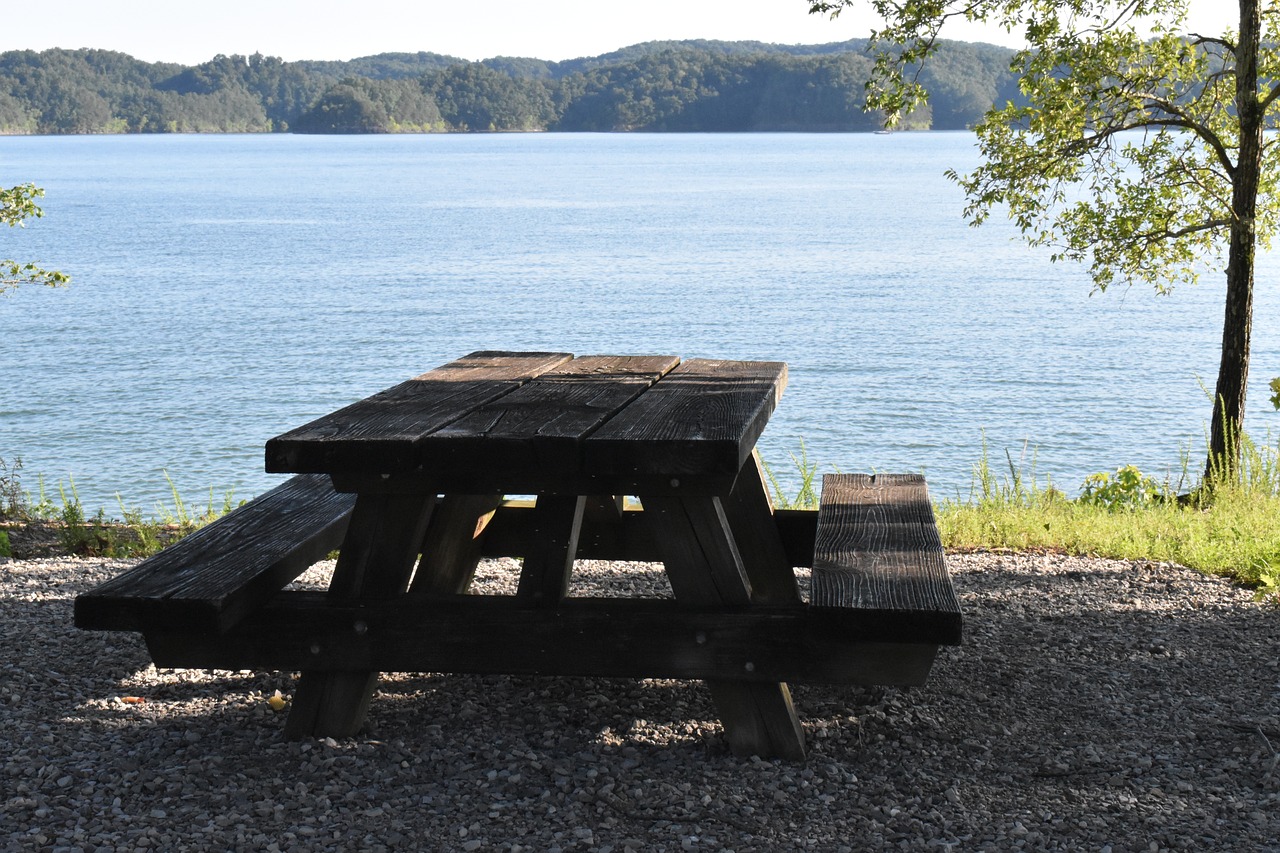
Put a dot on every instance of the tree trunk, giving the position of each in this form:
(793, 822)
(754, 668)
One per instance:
(1237, 326)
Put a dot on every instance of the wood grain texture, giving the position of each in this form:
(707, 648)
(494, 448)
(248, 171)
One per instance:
(451, 547)
(380, 432)
(698, 549)
(528, 423)
(212, 578)
(539, 428)
(878, 551)
(631, 638)
(702, 561)
(568, 402)
(381, 545)
(764, 556)
(629, 534)
(548, 564)
(703, 418)
(375, 563)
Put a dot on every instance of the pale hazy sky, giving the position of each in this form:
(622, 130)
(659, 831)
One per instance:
(164, 30)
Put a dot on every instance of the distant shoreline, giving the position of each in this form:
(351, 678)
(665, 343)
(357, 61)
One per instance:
(674, 86)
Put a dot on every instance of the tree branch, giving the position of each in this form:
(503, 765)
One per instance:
(1179, 119)
(1270, 99)
(1197, 40)
(1175, 233)
(1104, 134)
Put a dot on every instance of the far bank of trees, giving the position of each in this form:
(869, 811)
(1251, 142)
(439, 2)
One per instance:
(660, 86)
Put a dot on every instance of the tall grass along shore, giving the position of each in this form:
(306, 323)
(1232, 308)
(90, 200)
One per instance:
(1227, 525)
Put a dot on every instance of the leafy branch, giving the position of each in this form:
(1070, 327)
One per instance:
(17, 205)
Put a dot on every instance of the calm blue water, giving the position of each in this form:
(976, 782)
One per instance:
(228, 288)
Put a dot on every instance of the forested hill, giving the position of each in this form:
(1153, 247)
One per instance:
(657, 86)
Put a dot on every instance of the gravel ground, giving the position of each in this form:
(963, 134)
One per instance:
(1097, 705)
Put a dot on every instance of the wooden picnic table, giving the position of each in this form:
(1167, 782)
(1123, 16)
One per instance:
(412, 484)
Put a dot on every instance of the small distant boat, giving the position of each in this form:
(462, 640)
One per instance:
(883, 132)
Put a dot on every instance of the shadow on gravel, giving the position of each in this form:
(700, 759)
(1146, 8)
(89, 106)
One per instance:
(1094, 703)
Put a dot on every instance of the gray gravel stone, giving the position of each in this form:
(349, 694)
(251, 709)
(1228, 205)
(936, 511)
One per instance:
(1096, 705)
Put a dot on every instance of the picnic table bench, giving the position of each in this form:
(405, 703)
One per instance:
(410, 486)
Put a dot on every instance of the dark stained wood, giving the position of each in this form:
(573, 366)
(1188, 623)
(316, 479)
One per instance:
(568, 430)
(381, 546)
(764, 557)
(212, 578)
(759, 718)
(798, 530)
(629, 638)
(604, 509)
(702, 419)
(878, 551)
(548, 563)
(540, 426)
(706, 570)
(599, 424)
(698, 551)
(379, 434)
(374, 564)
(629, 534)
(451, 549)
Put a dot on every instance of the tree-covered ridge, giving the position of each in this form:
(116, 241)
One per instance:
(657, 86)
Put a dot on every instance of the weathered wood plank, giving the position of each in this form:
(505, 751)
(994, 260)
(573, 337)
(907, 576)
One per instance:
(705, 568)
(451, 548)
(544, 576)
(878, 551)
(627, 638)
(375, 563)
(699, 553)
(212, 578)
(541, 425)
(379, 433)
(629, 534)
(764, 558)
(381, 546)
(701, 420)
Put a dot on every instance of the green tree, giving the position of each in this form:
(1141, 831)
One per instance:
(17, 205)
(358, 105)
(1139, 149)
(474, 97)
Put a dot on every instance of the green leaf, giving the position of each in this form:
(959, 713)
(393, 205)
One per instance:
(17, 204)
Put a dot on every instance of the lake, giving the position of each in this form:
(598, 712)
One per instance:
(227, 288)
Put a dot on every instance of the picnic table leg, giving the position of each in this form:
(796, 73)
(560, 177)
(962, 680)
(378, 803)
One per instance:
(750, 515)
(705, 567)
(544, 576)
(451, 545)
(375, 562)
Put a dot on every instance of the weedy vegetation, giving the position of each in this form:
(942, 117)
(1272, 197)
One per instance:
(132, 534)
(1225, 524)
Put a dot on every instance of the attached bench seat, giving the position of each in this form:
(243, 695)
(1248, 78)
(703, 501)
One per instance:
(877, 550)
(877, 553)
(209, 581)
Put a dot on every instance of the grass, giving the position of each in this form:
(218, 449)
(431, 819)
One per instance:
(1227, 526)
(132, 534)
(1236, 534)
(806, 497)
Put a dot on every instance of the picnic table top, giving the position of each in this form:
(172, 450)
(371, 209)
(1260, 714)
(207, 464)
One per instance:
(535, 422)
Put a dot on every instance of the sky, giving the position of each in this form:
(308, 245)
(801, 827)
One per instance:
(190, 33)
